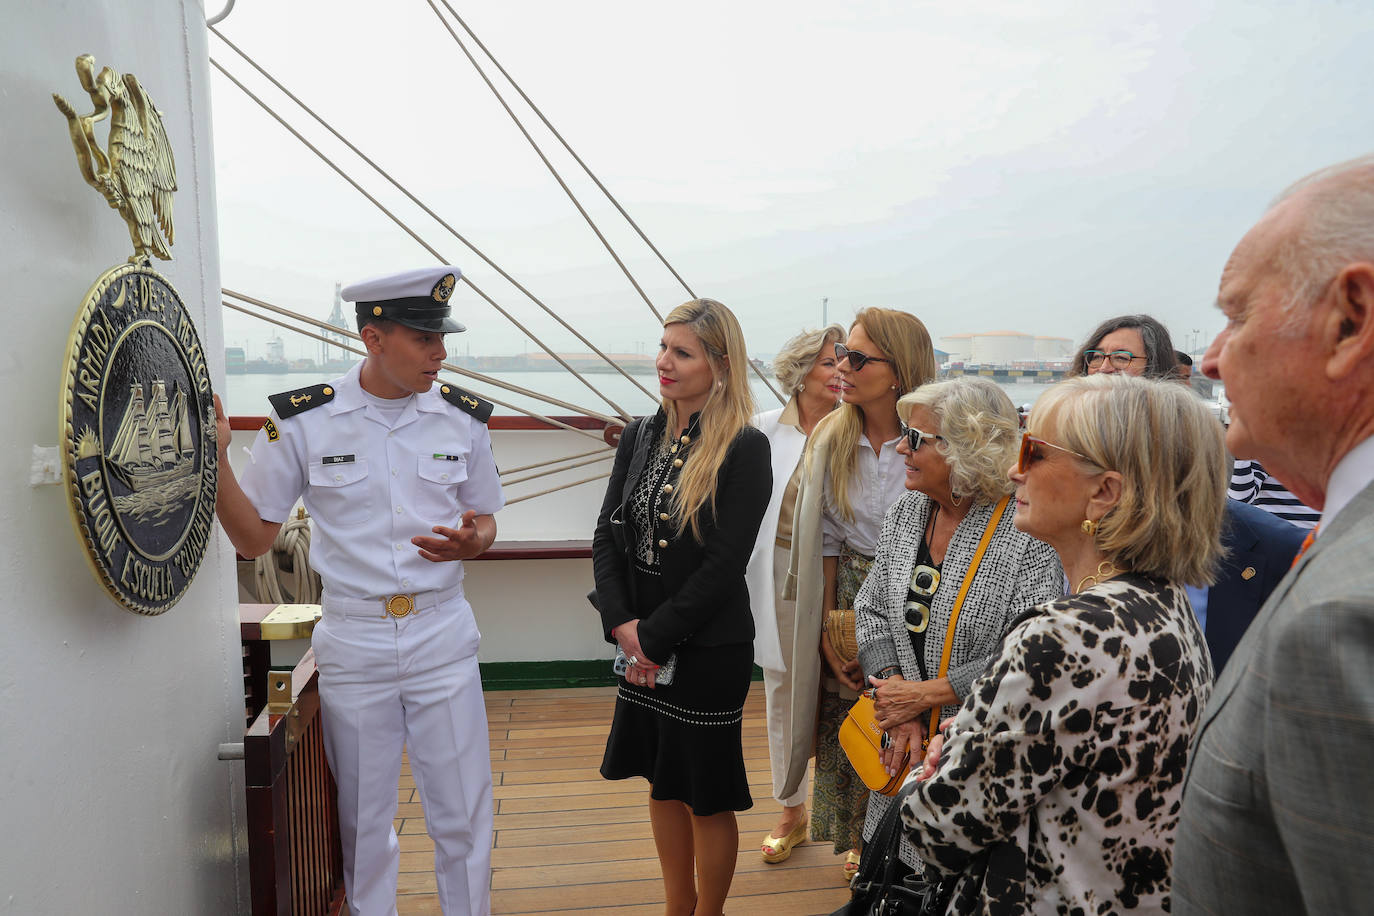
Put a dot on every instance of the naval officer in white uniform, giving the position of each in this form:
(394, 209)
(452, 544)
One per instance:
(396, 470)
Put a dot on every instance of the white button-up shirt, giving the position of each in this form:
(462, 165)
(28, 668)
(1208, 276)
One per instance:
(879, 481)
(371, 482)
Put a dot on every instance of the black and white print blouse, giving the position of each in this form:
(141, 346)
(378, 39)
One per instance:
(1066, 760)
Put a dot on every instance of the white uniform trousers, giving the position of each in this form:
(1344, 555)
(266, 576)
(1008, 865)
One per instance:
(390, 682)
(777, 690)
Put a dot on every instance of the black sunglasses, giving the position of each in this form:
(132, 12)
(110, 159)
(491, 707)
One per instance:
(856, 359)
(915, 438)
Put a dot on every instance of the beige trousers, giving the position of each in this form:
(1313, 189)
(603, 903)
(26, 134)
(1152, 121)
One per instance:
(777, 689)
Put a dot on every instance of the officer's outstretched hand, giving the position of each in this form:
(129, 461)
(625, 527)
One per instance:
(462, 543)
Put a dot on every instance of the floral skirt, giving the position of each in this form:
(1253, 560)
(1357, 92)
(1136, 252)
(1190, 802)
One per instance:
(839, 797)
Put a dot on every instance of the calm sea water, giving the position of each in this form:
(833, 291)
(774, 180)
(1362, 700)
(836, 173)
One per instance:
(246, 395)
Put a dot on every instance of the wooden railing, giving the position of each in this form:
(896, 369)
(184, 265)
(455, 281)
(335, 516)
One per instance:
(294, 858)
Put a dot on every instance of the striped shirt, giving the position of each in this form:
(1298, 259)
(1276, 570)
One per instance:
(1251, 483)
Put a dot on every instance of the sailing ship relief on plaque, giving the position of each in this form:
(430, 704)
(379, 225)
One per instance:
(138, 417)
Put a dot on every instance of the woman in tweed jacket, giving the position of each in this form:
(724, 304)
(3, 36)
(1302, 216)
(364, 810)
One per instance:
(961, 436)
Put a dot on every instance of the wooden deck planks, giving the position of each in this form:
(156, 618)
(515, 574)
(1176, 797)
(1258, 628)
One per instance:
(568, 841)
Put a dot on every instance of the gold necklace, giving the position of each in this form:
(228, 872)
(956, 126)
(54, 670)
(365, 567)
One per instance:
(1105, 570)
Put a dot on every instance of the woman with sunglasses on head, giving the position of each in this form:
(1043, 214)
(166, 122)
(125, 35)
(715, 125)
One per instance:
(852, 473)
(952, 571)
(806, 368)
(1056, 786)
(687, 493)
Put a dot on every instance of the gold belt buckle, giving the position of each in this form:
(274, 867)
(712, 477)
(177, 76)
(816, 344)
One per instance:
(399, 605)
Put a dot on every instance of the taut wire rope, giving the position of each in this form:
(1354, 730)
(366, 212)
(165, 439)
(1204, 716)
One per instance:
(545, 159)
(559, 178)
(558, 489)
(547, 471)
(435, 216)
(540, 464)
(460, 371)
(481, 377)
(414, 235)
(571, 152)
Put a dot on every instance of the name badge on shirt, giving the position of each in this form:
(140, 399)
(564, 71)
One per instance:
(337, 459)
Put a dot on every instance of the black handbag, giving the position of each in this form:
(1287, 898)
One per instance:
(884, 886)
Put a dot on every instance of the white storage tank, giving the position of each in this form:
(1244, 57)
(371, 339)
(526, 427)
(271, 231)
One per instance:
(1002, 348)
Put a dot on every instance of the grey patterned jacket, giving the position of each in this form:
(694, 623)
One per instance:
(1016, 574)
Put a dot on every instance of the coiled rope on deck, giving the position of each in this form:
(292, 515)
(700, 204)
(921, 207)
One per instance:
(289, 557)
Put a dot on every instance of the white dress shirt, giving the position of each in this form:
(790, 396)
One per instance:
(878, 482)
(1352, 474)
(371, 480)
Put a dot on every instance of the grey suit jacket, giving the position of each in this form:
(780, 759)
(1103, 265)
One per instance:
(1278, 807)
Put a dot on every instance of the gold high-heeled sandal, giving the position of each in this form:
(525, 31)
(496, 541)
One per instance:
(851, 865)
(777, 849)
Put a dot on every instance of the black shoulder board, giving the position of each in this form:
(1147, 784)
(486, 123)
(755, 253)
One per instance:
(467, 402)
(290, 403)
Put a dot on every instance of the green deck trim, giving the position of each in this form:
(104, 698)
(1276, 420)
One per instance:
(593, 672)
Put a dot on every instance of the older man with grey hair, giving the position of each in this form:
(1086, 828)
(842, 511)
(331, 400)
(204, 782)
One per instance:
(1278, 809)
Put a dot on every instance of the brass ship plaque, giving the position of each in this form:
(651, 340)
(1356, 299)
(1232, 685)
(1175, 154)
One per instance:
(137, 414)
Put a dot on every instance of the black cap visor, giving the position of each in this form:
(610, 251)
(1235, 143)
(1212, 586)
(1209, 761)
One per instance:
(419, 312)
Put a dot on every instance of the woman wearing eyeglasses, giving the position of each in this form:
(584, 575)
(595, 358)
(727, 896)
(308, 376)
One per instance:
(1129, 344)
(1056, 787)
(852, 474)
(923, 644)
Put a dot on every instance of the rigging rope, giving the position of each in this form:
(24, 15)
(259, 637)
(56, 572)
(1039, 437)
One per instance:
(414, 235)
(559, 178)
(545, 159)
(572, 152)
(440, 220)
(529, 413)
(557, 489)
(548, 471)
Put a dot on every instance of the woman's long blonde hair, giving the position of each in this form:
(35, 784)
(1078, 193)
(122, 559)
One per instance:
(905, 340)
(727, 410)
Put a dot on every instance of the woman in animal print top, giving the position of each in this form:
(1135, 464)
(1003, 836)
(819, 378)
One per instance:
(1056, 787)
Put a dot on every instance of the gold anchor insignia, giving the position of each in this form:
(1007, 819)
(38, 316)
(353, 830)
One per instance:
(138, 174)
(298, 400)
(471, 402)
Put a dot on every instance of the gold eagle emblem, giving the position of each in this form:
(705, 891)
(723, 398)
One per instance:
(138, 174)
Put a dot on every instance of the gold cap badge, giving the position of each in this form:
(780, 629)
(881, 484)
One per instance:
(444, 288)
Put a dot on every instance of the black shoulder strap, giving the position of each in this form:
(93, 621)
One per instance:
(290, 403)
(466, 401)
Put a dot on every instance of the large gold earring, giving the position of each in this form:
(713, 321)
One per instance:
(1089, 527)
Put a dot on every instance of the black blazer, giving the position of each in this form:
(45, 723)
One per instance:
(1262, 544)
(708, 602)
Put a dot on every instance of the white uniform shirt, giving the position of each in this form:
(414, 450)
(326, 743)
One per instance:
(878, 482)
(371, 484)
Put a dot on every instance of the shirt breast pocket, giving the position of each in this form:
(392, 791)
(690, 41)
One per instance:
(436, 488)
(340, 493)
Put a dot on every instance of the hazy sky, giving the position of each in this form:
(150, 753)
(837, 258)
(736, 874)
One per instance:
(984, 165)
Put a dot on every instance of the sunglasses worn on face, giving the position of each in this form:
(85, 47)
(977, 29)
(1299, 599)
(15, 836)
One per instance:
(1030, 452)
(1120, 358)
(856, 359)
(915, 438)
(924, 581)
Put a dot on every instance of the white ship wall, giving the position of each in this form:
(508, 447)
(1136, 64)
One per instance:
(111, 797)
